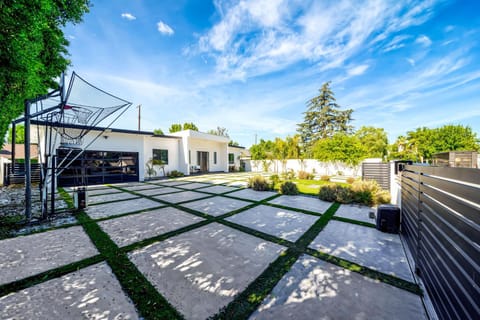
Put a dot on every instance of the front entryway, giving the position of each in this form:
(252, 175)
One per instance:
(202, 160)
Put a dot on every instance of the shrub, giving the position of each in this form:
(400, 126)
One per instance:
(175, 174)
(350, 180)
(364, 197)
(304, 175)
(382, 197)
(363, 192)
(344, 194)
(275, 179)
(289, 188)
(365, 185)
(259, 183)
(289, 175)
(328, 192)
(325, 178)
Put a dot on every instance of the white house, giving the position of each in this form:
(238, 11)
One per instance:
(118, 155)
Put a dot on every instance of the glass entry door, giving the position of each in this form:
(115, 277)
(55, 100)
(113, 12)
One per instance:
(202, 160)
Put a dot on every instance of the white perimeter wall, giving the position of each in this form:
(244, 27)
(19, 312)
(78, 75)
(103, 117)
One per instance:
(309, 165)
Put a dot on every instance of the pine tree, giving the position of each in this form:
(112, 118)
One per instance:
(323, 119)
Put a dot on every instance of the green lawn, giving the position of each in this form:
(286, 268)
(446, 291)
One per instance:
(310, 187)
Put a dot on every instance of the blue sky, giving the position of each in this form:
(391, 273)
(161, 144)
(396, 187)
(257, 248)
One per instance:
(251, 66)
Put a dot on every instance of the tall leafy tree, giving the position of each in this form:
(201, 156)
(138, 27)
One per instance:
(340, 147)
(190, 126)
(423, 143)
(175, 127)
(374, 140)
(158, 132)
(19, 134)
(220, 131)
(33, 50)
(323, 118)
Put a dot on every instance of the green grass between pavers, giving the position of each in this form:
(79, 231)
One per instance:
(360, 223)
(248, 301)
(370, 273)
(48, 275)
(148, 301)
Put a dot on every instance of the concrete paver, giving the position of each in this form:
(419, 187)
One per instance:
(120, 207)
(136, 227)
(26, 256)
(218, 189)
(355, 212)
(89, 293)
(250, 194)
(110, 197)
(366, 246)
(158, 190)
(202, 270)
(170, 183)
(105, 190)
(216, 206)
(181, 196)
(315, 289)
(143, 186)
(302, 202)
(240, 184)
(194, 185)
(285, 224)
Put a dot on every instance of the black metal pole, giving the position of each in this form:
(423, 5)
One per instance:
(28, 174)
(14, 141)
(52, 179)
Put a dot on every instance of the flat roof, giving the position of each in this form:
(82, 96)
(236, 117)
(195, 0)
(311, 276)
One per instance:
(74, 126)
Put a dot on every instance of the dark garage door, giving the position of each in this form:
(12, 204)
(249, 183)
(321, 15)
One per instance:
(99, 167)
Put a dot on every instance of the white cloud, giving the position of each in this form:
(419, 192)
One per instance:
(256, 37)
(424, 41)
(396, 43)
(164, 28)
(128, 16)
(411, 61)
(449, 28)
(358, 70)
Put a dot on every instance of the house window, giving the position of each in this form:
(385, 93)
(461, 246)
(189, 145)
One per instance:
(189, 156)
(215, 157)
(231, 158)
(160, 154)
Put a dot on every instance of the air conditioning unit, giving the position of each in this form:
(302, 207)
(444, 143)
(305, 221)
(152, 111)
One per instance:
(388, 218)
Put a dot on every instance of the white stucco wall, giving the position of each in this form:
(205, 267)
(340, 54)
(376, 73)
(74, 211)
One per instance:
(196, 145)
(194, 141)
(173, 147)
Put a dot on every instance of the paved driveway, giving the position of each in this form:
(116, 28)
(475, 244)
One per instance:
(201, 246)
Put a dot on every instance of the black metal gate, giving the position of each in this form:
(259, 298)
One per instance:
(441, 225)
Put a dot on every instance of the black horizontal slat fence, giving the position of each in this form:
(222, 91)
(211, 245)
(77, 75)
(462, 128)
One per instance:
(441, 226)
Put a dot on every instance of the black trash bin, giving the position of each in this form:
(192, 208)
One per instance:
(80, 198)
(388, 218)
